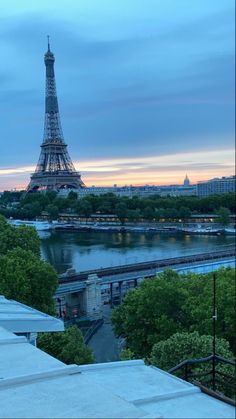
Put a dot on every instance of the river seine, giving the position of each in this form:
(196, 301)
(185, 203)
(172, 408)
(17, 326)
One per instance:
(89, 250)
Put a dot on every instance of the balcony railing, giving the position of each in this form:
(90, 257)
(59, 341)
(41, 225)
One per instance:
(214, 374)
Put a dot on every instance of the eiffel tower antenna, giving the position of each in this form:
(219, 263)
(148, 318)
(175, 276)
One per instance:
(55, 169)
(48, 42)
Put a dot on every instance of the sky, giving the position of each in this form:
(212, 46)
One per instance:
(145, 88)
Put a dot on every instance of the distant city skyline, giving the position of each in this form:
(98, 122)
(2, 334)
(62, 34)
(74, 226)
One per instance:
(145, 88)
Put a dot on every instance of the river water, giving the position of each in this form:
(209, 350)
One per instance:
(89, 250)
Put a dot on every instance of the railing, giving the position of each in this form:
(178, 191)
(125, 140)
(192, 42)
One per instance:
(219, 383)
(92, 330)
(73, 315)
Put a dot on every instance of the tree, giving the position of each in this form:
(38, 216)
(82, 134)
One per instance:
(73, 196)
(198, 303)
(33, 209)
(171, 213)
(51, 195)
(182, 346)
(184, 213)
(52, 211)
(3, 223)
(150, 313)
(126, 355)
(68, 346)
(84, 208)
(174, 303)
(134, 215)
(223, 216)
(26, 278)
(148, 213)
(35, 203)
(121, 211)
(24, 237)
(105, 207)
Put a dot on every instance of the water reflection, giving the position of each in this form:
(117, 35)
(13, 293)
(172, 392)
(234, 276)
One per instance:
(88, 250)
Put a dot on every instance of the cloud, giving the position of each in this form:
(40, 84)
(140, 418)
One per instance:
(154, 170)
(132, 82)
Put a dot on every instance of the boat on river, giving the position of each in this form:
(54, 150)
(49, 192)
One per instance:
(202, 230)
(230, 230)
(39, 225)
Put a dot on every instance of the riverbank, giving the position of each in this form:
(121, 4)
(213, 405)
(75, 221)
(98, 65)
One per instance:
(183, 228)
(210, 230)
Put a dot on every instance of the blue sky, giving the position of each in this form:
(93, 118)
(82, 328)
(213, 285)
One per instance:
(145, 88)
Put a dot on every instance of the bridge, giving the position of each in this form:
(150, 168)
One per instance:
(115, 281)
(105, 273)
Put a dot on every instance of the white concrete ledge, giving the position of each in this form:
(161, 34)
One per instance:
(13, 340)
(167, 396)
(27, 379)
(116, 364)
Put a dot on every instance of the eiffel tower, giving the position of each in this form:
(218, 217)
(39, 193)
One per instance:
(55, 169)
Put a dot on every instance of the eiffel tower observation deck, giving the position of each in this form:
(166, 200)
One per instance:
(55, 169)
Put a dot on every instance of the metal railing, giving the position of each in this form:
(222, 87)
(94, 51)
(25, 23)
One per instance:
(92, 330)
(218, 382)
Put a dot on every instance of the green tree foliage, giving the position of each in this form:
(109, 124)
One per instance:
(33, 209)
(52, 211)
(126, 355)
(150, 313)
(27, 279)
(84, 208)
(68, 346)
(24, 237)
(184, 213)
(173, 303)
(134, 215)
(121, 211)
(198, 303)
(33, 204)
(148, 213)
(171, 213)
(72, 196)
(223, 216)
(181, 346)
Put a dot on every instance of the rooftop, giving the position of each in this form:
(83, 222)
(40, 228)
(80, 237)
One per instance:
(36, 385)
(19, 318)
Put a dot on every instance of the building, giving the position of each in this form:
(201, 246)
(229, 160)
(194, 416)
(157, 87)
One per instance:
(55, 169)
(130, 191)
(36, 385)
(186, 181)
(25, 321)
(216, 186)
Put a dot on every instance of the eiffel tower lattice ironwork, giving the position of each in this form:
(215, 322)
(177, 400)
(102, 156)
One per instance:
(55, 169)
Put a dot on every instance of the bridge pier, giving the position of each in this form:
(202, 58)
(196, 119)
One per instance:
(120, 290)
(77, 290)
(111, 293)
(92, 300)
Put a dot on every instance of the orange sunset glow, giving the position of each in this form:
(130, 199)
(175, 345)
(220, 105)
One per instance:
(159, 170)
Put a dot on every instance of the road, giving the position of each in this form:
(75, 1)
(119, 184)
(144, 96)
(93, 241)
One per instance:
(104, 343)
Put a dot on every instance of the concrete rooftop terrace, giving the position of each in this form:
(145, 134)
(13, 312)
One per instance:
(35, 385)
(20, 318)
